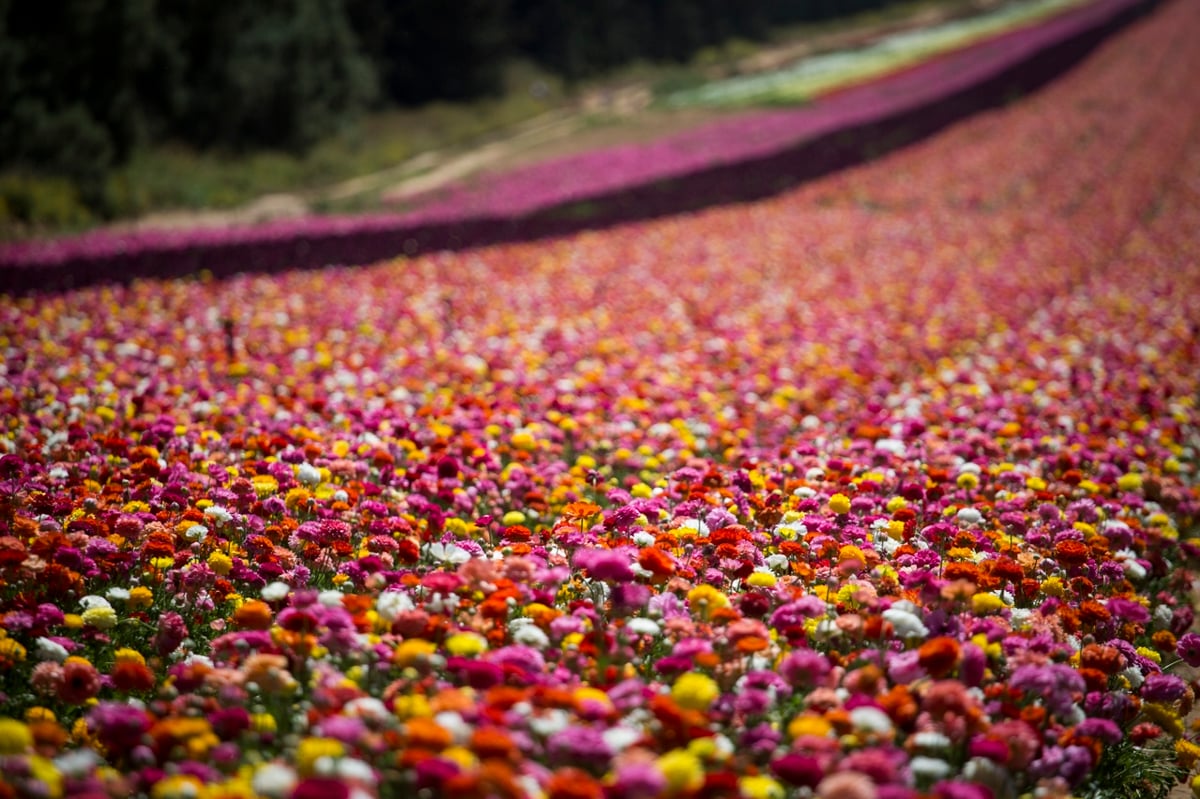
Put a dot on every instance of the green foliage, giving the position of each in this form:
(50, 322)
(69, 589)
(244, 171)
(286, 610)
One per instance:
(1126, 770)
(26, 200)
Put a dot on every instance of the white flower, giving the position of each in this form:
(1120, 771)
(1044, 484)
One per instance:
(218, 514)
(273, 592)
(443, 603)
(308, 475)
(872, 719)
(274, 780)
(331, 598)
(551, 723)
(352, 769)
(777, 562)
(116, 594)
(1133, 570)
(905, 623)
(929, 768)
(529, 635)
(197, 532)
(367, 707)
(391, 604)
(893, 445)
(93, 601)
(931, 739)
(77, 764)
(642, 538)
(697, 525)
(969, 516)
(447, 553)
(51, 650)
(620, 738)
(453, 723)
(642, 626)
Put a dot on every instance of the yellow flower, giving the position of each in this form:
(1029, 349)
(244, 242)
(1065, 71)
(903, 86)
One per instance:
(707, 597)
(968, 480)
(809, 724)
(295, 498)
(412, 651)
(761, 580)
(1164, 716)
(839, 503)
(1131, 481)
(263, 722)
(45, 772)
(851, 552)
(466, 644)
(985, 603)
(896, 503)
(15, 737)
(102, 618)
(264, 485)
(177, 786)
(1053, 586)
(760, 787)
(695, 691)
(10, 651)
(220, 562)
(38, 713)
(523, 440)
(140, 598)
(127, 655)
(411, 706)
(311, 750)
(513, 517)
(1187, 752)
(683, 771)
(1152, 654)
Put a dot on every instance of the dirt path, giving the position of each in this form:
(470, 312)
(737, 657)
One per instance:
(608, 115)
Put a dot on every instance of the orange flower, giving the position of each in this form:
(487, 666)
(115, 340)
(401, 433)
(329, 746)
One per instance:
(253, 615)
(493, 742)
(752, 643)
(425, 733)
(654, 560)
(939, 656)
(1105, 659)
(131, 676)
(580, 511)
(1071, 553)
(571, 783)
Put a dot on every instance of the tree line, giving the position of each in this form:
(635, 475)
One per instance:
(84, 83)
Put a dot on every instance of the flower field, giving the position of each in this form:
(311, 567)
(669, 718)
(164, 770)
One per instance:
(736, 158)
(883, 487)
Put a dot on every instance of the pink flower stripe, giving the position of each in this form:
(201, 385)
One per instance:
(882, 487)
(745, 157)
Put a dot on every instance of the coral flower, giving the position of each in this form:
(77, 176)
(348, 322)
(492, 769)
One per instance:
(939, 656)
(80, 682)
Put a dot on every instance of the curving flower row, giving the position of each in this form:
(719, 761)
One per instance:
(736, 158)
(885, 487)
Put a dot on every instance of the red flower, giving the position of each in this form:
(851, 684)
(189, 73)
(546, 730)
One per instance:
(80, 683)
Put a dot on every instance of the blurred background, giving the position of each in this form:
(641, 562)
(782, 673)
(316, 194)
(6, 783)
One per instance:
(117, 108)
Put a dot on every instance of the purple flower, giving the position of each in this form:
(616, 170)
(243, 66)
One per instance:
(1188, 648)
(610, 565)
(1101, 729)
(579, 745)
(804, 668)
(1055, 683)
(798, 769)
(639, 781)
(1163, 688)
